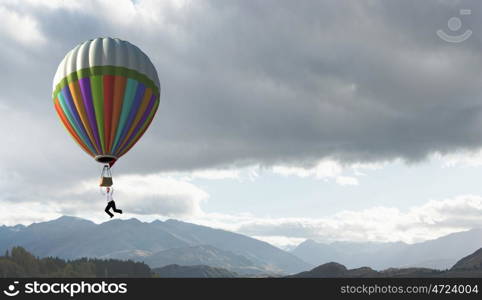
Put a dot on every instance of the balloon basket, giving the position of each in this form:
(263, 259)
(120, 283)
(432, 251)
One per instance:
(106, 177)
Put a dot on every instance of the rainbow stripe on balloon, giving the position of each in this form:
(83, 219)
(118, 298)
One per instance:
(106, 109)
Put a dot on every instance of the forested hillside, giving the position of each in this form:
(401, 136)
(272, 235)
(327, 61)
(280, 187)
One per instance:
(20, 263)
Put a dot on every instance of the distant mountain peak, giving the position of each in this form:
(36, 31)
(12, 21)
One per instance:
(328, 270)
(133, 220)
(15, 228)
(308, 242)
(65, 220)
(130, 221)
(69, 218)
(470, 262)
(332, 267)
(174, 221)
(66, 217)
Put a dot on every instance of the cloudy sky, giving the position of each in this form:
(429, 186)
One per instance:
(283, 120)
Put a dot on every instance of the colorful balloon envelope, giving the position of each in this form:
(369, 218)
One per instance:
(106, 93)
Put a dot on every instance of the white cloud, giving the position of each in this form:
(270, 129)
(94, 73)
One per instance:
(21, 28)
(153, 194)
(282, 242)
(17, 213)
(379, 224)
(209, 174)
(360, 168)
(324, 169)
(346, 180)
(460, 158)
(155, 197)
(216, 174)
(248, 173)
(148, 196)
(327, 170)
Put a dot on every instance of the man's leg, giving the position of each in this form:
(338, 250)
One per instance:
(119, 211)
(107, 208)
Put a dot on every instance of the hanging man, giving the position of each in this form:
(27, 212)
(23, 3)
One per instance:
(110, 202)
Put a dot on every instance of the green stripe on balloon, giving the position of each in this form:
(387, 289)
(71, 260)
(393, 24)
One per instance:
(96, 86)
(106, 70)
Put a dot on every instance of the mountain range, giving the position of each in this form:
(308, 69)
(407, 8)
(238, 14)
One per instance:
(162, 243)
(441, 253)
(469, 266)
(157, 243)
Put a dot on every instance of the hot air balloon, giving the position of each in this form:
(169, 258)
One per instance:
(106, 93)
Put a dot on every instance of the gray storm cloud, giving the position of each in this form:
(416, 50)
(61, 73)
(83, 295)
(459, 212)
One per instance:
(267, 82)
